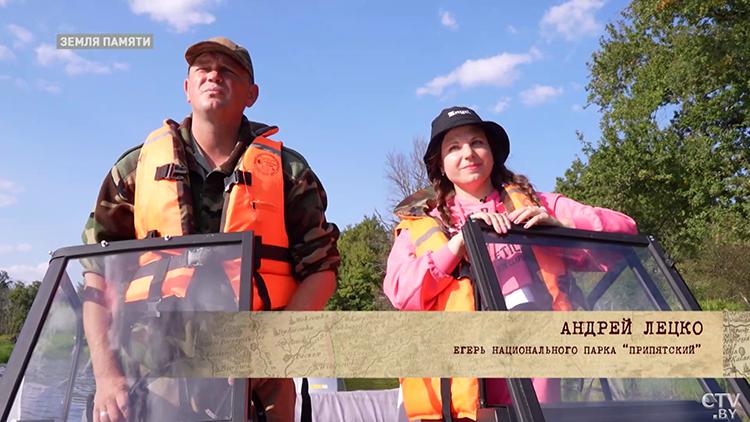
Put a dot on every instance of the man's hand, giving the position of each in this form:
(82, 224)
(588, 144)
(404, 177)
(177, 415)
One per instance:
(313, 293)
(111, 399)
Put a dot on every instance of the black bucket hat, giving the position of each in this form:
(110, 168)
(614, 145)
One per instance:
(451, 118)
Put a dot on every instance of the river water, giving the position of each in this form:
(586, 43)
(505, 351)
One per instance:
(44, 388)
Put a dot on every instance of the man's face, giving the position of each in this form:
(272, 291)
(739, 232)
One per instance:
(217, 82)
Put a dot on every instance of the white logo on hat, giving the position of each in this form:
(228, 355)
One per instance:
(453, 113)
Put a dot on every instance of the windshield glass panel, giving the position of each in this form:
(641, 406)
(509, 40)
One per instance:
(561, 274)
(100, 322)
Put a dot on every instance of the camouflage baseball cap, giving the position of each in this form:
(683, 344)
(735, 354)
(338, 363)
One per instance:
(222, 45)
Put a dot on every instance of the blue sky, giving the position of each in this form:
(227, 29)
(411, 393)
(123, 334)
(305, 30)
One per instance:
(346, 82)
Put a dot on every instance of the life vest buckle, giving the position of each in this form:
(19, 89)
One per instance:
(196, 257)
(171, 171)
(238, 177)
(152, 308)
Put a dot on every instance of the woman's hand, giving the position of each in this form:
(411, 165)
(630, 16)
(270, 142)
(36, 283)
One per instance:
(500, 222)
(538, 215)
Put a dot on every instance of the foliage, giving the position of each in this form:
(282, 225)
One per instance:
(364, 250)
(16, 299)
(685, 179)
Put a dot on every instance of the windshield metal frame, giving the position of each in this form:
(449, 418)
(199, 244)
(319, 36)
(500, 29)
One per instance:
(53, 278)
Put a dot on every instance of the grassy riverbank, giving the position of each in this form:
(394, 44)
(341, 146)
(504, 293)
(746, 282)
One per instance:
(6, 347)
(370, 383)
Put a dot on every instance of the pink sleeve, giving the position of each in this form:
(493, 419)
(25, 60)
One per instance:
(591, 218)
(587, 217)
(411, 283)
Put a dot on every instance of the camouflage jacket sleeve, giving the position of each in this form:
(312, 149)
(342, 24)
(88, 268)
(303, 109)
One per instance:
(312, 239)
(112, 218)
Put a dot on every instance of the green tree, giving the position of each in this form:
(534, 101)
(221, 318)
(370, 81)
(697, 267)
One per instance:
(683, 178)
(21, 298)
(364, 249)
(5, 314)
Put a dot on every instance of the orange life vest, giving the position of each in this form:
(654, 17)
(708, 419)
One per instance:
(254, 200)
(423, 396)
(551, 266)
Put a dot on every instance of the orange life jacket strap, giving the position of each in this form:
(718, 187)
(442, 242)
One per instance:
(238, 177)
(262, 291)
(157, 269)
(155, 289)
(171, 171)
(162, 187)
(447, 399)
(552, 269)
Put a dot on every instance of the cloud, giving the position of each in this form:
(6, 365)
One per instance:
(46, 86)
(4, 3)
(179, 14)
(6, 53)
(576, 108)
(573, 19)
(4, 77)
(27, 273)
(539, 94)
(498, 70)
(512, 29)
(48, 55)
(447, 19)
(502, 105)
(21, 35)
(121, 66)
(21, 247)
(21, 83)
(9, 193)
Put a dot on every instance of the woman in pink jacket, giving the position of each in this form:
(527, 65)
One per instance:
(465, 161)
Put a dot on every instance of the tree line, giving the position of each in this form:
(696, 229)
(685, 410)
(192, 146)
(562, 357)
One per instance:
(15, 301)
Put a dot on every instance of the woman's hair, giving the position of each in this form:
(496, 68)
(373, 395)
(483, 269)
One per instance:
(500, 176)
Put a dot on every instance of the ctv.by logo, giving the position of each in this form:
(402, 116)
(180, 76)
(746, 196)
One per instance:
(710, 400)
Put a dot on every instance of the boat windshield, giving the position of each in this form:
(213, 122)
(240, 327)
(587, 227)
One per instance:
(108, 328)
(551, 269)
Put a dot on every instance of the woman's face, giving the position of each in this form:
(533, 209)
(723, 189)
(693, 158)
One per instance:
(466, 157)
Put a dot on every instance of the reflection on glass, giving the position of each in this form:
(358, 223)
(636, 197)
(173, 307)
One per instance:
(145, 349)
(586, 276)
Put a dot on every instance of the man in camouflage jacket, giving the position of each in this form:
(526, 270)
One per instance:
(219, 86)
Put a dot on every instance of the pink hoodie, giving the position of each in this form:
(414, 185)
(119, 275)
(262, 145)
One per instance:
(412, 284)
